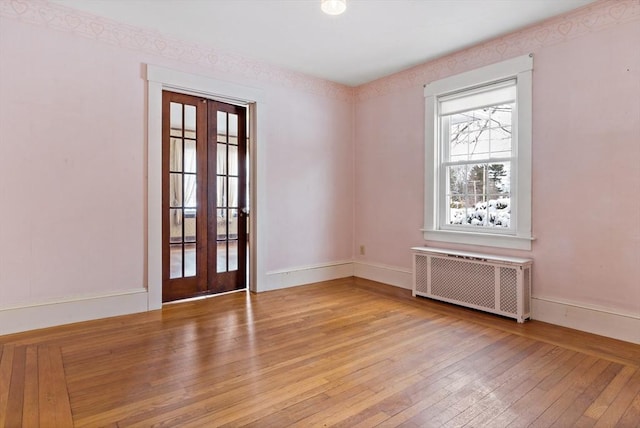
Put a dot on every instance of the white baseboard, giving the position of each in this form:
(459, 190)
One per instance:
(592, 320)
(24, 318)
(391, 275)
(567, 314)
(602, 321)
(15, 320)
(307, 275)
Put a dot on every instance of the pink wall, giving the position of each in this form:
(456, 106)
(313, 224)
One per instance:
(71, 167)
(310, 197)
(73, 154)
(586, 156)
(389, 176)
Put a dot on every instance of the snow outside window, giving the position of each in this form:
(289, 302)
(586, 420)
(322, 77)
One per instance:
(478, 156)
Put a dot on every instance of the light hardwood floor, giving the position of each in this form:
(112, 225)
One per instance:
(341, 353)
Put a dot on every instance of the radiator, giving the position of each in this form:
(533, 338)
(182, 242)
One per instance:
(496, 284)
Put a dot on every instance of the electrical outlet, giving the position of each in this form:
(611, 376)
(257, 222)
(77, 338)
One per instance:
(362, 250)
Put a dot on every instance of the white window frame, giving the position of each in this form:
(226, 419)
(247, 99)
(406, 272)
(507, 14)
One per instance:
(435, 228)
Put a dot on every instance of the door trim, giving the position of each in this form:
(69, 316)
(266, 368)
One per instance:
(159, 79)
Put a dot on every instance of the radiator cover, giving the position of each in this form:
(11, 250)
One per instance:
(496, 284)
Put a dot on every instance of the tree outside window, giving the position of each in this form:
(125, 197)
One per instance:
(479, 187)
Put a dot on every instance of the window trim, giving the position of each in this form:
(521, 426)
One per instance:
(521, 69)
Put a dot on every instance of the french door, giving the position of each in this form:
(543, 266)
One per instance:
(204, 194)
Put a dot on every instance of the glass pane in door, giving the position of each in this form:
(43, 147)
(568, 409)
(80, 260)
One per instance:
(175, 119)
(222, 127)
(233, 255)
(233, 128)
(190, 121)
(182, 190)
(175, 154)
(189, 260)
(175, 260)
(190, 156)
(225, 123)
(175, 226)
(221, 237)
(233, 160)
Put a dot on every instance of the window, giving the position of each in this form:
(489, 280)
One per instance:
(478, 156)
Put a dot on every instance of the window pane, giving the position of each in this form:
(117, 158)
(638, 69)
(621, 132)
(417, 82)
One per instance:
(175, 225)
(479, 144)
(189, 260)
(190, 155)
(479, 194)
(499, 210)
(222, 127)
(480, 134)
(190, 121)
(175, 262)
(233, 224)
(221, 199)
(501, 141)
(190, 199)
(175, 190)
(190, 225)
(233, 160)
(233, 255)
(499, 178)
(221, 224)
(233, 128)
(222, 159)
(175, 154)
(233, 192)
(221, 257)
(175, 120)
(502, 114)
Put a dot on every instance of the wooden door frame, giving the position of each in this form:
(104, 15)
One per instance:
(159, 79)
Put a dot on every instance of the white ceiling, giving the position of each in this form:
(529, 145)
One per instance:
(372, 39)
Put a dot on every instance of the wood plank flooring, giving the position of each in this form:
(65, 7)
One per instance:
(346, 353)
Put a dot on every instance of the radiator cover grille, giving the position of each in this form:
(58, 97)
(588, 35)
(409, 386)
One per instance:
(451, 278)
(491, 283)
(508, 295)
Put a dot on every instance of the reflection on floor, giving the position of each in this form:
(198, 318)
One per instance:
(190, 259)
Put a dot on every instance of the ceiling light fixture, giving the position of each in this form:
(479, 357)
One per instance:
(333, 7)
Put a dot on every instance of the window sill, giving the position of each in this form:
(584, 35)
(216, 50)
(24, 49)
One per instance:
(484, 239)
